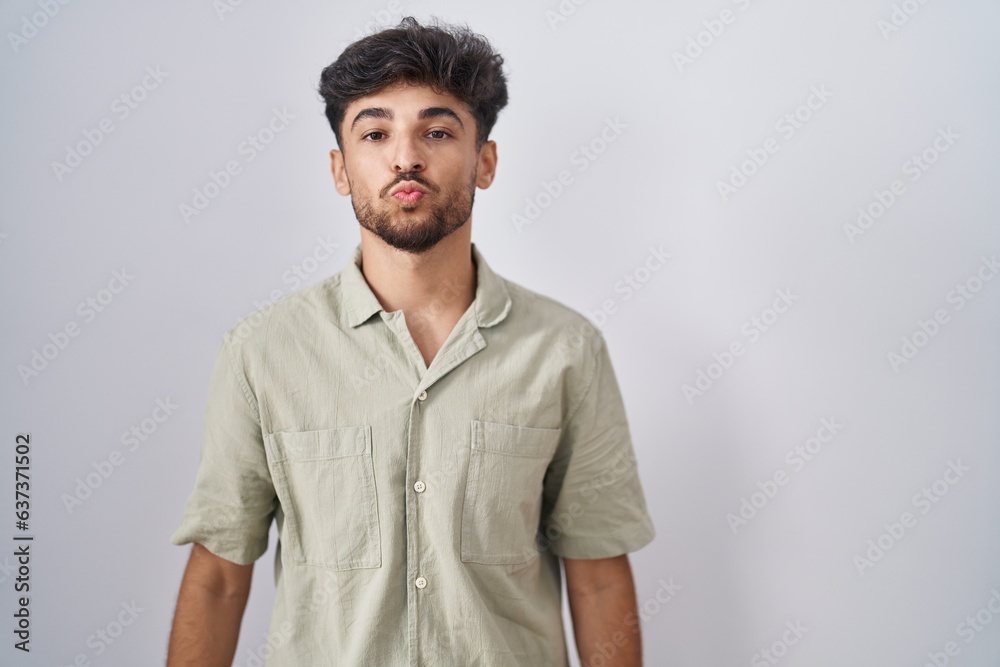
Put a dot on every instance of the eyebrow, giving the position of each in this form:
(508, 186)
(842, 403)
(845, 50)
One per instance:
(429, 112)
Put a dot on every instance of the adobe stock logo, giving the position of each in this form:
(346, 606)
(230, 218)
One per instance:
(779, 647)
(562, 12)
(706, 378)
(629, 285)
(295, 277)
(88, 310)
(900, 16)
(31, 26)
(924, 500)
(253, 145)
(585, 155)
(796, 457)
(927, 330)
(787, 125)
(968, 629)
(102, 639)
(914, 167)
(102, 471)
(122, 106)
(704, 39)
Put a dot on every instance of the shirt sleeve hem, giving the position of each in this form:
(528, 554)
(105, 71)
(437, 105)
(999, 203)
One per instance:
(605, 546)
(239, 554)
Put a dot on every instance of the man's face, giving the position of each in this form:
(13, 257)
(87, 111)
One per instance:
(408, 137)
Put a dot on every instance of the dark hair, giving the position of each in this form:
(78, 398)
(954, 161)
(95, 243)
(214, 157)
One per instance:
(450, 59)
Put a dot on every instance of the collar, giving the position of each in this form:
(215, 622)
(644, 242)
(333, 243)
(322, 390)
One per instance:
(358, 302)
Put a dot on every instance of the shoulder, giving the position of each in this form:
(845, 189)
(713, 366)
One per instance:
(296, 312)
(566, 329)
(543, 308)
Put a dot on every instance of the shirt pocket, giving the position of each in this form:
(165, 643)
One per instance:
(325, 481)
(503, 494)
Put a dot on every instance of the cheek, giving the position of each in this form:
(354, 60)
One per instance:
(362, 177)
(461, 178)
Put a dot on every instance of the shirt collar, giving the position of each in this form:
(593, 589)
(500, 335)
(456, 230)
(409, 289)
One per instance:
(358, 302)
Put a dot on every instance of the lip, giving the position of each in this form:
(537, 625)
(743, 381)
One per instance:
(407, 188)
(408, 197)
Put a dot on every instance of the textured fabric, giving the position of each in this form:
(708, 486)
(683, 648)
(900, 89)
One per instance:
(421, 512)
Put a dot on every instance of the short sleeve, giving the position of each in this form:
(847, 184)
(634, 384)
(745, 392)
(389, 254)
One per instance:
(593, 502)
(231, 507)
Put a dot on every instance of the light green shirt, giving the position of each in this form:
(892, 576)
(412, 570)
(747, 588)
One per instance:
(420, 511)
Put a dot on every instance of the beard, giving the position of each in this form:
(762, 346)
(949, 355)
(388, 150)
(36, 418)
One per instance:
(417, 232)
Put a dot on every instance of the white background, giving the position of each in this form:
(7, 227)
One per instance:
(684, 128)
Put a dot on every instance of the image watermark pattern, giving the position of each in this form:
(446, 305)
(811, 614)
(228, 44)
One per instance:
(914, 167)
(32, 24)
(131, 440)
(752, 330)
(786, 126)
(122, 107)
(901, 15)
(581, 158)
(88, 310)
(851, 112)
(924, 501)
(294, 278)
(796, 458)
(771, 655)
(967, 630)
(627, 286)
(247, 151)
(711, 31)
(928, 329)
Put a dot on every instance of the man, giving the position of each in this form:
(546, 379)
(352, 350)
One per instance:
(431, 438)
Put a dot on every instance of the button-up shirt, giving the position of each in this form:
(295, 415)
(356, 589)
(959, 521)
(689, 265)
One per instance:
(421, 511)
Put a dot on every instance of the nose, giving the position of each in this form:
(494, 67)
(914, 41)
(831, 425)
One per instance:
(407, 156)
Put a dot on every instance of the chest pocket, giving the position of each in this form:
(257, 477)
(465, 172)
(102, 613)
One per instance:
(503, 495)
(325, 481)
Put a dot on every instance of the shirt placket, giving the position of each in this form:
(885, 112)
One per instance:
(464, 341)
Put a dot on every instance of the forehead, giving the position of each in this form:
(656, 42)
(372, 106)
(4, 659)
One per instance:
(405, 100)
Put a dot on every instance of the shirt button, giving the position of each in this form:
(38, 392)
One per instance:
(420, 582)
(419, 487)
(422, 395)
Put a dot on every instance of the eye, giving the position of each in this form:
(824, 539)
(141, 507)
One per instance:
(365, 137)
(439, 132)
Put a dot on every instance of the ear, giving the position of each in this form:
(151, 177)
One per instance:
(339, 172)
(487, 167)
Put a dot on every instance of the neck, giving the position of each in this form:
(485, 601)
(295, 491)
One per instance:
(439, 284)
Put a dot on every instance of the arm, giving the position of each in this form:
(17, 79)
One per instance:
(601, 601)
(210, 607)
